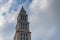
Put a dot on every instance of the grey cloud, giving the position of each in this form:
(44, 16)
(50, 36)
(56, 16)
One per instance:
(44, 22)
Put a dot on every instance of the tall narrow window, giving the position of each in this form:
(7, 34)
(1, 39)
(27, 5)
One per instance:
(21, 25)
(26, 18)
(25, 26)
(22, 17)
(21, 36)
(26, 36)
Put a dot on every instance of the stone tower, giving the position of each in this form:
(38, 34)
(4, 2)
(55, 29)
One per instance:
(22, 27)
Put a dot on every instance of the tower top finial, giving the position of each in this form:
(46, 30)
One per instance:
(22, 10)
(22, 6)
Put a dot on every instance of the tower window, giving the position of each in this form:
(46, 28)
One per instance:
(26, 36)
(21, 25)
(21, 36)
(25, 27)
(22, 17)
(25, 17)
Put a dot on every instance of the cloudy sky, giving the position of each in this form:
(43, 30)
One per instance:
(44, 18)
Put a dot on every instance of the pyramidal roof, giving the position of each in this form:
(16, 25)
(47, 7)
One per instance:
(22, 10)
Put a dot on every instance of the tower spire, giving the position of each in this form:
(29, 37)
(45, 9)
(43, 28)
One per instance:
(22, 10)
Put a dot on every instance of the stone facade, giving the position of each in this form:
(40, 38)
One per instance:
(22, 27)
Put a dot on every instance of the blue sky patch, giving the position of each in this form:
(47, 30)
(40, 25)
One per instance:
(30, 0)
(16, 3)
(3, 14)
(3, 2)
(21, 1)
